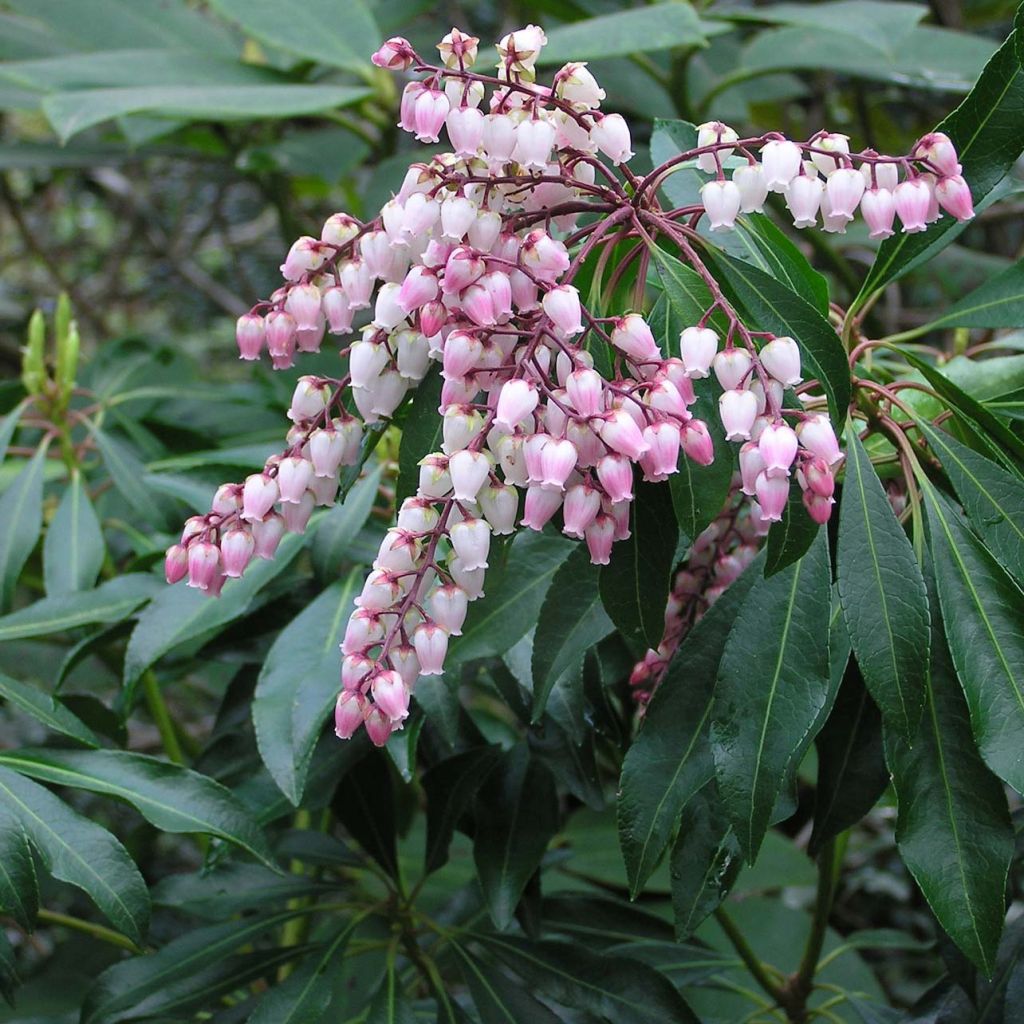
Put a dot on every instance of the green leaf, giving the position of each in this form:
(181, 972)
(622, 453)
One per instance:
(389, 1005)
(305, 995)
(982, 611)
(789, 539)
(298, 685)
(999, 302)
(173, 798)
(641, 30)
(953, 828)
(572, 620)
(8, 425)
(19, 890)
(340, 527)
(603, 920)
(985, 129)
(73, 549)
(635, 585)
(450, 787)
(851, 762)
(671, 760)
(75, 850)
(687, 293)
(772, 682)
(365, 805)
(422, 433)
(21, 520)
(318, 30)
(497, 998)
(127, 470)
(72, 112)
(111, 601)
(992, 498)
(885, 604)
(47, 710)
(515, 594)
(774, 307)
(706, 859)
(516, 816)
(611, 987)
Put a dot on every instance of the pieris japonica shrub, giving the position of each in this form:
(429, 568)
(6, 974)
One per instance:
(641, 515)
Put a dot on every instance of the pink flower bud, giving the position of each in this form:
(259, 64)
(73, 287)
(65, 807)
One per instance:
(833, 142)
(696, 442)
(348, 714)
(781, 358)
(772, 494)
(777, 445)
(781, 161)
(339, 229)
(750, 180)
(711, 133)
(620, 432)
(534, 140)
(258, 496)
(954, 196)
(818, 508)
(631, 335)
(540, 505)
(664, 396)
(465, 129)
(722, 200)
(434, 479)
(751, 466)
(236, 546)
(582, 504)
(611, 136)
(296, 514)
(937, 148)
(844, 189)
(912, 199)
(418, 288)
(817, 476)
(557, 460)
(396, 55)
(303, 302)
(732, 365)
(378, 726)
(431, 643)
(585, 389)
(391, 695)
(469, 471)
(600, 535)
(803, 198)
(250, 332)
(879, 209)
(267, 535)
(449, 605)
(818, 437)
(355, 672)
(616, 477)
(430, 107)
(471, 540)
(738, 410)
(697, 348)
(516, 400)
(663, 458)
(203, 564)
(175, 563)
(562, 305)
(364, 629)
(305, 255)
(544, 256)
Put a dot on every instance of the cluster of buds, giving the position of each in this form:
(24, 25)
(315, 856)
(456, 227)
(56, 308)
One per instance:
(469, 269)
(821, 176)
(717, 557)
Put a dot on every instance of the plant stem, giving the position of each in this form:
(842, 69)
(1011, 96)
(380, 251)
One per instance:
(97, 931)
(753, 962)
(162, 717)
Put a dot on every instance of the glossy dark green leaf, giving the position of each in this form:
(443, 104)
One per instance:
(340, 527)
(516, 814)
(635, 585)
(995, 997)
(450, 787)
(982, 611)
(298, 685)
(851, 762)
(422, 433)
(612, 987)
(706, 858)
(9, 979)
(775, 307)
(953, 829)
(884, 601)
(75, 850)
(985, 129)
(789, 539)
(390, 1005)
(112, 601)
(19, 889)
(365, 806)
(572, 620)
(126, 470)
(992, 498)
(173, 798)
(497, 998)
(999, 302)
(73, 549)
(48, 710)
(686, 292)
(603, 920)
(515, 594)
(21, 521)
(670, 760)
(773, 681)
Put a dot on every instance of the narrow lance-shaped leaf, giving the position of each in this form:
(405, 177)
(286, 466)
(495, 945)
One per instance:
(772, 682)
(499, 999)
(19, 890)
(670, 760)
(999, 302)
(982, 611)
(75, 850)
(953, 829)
(884, 601)
(73, 550)
(46, 709)
(390, 1005)
(173, 798)
(21, 520)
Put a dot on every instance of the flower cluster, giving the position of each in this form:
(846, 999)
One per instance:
(548, 410)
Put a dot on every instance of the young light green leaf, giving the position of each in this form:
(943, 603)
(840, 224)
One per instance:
(73, 549)
(19, 889)
(75, 850)
(47, 710)
(572, 620)
(516, 816)
(772, 682)
(298, 685)
(670, 760)
(172, 798)
(953, 829)
(982, 610)
(885, 604)
(21, 520)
